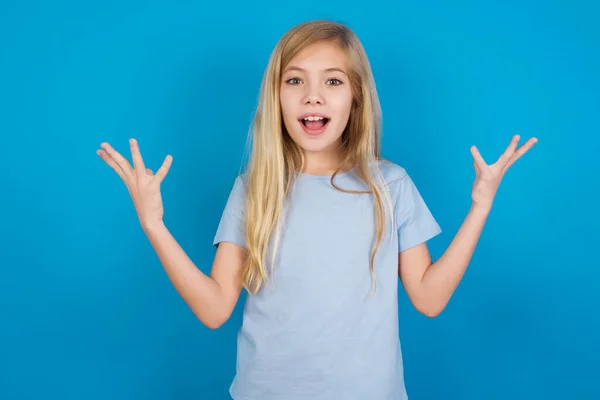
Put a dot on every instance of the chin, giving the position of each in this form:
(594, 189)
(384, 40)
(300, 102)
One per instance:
(314, 147)
(315, 144)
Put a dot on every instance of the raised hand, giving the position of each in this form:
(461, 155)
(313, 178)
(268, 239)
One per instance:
(142, 184)
(488, 177)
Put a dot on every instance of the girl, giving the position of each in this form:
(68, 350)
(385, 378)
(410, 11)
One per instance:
(317, 230)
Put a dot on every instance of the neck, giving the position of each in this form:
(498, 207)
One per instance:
(323, 163)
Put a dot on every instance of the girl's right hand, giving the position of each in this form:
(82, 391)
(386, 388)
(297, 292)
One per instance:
(142, 184)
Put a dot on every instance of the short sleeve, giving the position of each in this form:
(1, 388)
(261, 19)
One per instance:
(414, 222)
(231, 225)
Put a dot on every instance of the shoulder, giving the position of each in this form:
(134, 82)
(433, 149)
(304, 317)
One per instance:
(238, 189)
(390, 172)
(240, 182)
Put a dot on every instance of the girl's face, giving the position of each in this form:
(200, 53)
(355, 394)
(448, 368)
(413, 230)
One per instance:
(316, 98)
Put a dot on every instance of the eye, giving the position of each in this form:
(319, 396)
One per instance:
(293, 81)
(336, 81)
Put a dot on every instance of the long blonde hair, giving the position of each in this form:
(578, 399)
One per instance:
(275, 158)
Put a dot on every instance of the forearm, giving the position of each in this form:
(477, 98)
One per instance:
(443, 276)
(201, 292)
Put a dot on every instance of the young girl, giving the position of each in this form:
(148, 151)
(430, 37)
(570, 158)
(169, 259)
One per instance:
(317, 230)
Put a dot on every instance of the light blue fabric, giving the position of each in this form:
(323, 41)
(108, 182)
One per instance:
(314, 332)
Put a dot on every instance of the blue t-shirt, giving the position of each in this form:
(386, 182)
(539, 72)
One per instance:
(316, 330)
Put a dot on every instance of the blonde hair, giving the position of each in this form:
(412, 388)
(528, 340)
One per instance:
(276, 158)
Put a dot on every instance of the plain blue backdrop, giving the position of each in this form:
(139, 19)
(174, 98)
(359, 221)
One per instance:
(86, 310)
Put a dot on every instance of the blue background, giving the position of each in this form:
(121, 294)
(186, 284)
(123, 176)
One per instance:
(86, 310)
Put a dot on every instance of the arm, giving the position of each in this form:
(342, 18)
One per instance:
(211, 298)
(431, 285)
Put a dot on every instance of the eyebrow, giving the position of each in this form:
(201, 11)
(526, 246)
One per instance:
(332, 69)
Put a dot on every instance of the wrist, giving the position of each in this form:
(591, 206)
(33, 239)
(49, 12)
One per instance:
(152, 226)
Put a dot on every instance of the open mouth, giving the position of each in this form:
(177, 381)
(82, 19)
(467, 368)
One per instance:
(314, 125)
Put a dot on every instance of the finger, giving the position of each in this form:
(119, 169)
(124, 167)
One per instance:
(149, 171)
(111, 163)
(119, 159)
(478, 158)
(510, 150)
(138, 162)
(522, 150)
(164, 169)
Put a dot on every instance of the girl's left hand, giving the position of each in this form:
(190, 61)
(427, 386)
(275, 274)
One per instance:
(488, 177)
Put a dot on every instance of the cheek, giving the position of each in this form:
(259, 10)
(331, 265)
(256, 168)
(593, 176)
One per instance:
(288, 111)
(286, 105)
(343, 103)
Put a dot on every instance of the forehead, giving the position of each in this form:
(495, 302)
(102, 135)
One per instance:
(319, 56)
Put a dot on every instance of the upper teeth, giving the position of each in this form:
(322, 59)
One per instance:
(313, 118)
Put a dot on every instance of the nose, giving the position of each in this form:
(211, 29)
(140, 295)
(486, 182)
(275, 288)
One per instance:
(313, 99)
(313, 95)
